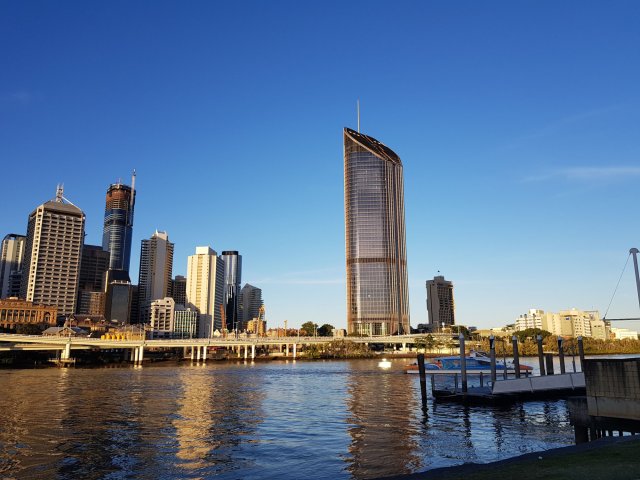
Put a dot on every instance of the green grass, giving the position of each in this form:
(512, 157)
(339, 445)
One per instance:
(620, 461)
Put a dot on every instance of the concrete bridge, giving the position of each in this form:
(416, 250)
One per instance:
(198, 347)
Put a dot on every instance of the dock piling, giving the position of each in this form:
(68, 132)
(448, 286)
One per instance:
(581, 353)
(463, 363)
(540, 355)
(492, 353)
(423, 381)
(516, 357)
(561, 355)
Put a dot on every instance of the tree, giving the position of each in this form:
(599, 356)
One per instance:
(532, 333)
(461, 329)
(309, 328)
(325, 330)
(29, 329)
(425, 343)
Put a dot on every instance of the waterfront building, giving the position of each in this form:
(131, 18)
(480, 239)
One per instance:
(205, 285)
(55, 234)
(440, 304)
(14, 312)
(161, 316)
(534, 318)
(377, 292)
(249, 304)
(156, 268)
(623, 333)
(232, 281)
(118, 224)
(566, 323)
(11, 265)
(185, 322)
(179, 290)
(258, 327)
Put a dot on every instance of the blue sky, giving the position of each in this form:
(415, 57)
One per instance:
(517, 123)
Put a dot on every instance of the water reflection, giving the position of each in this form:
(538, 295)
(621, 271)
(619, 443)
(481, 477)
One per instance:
(295, 420)
(383, 422)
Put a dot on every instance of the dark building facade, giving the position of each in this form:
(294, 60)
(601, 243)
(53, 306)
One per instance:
(377, 292)
(232, 281)
(179, 290)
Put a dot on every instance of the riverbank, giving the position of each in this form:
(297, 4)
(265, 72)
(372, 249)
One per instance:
(611, 458)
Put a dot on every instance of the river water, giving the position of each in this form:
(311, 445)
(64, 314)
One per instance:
(333, 419)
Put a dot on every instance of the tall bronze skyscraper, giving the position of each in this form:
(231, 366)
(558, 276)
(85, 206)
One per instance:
(377, 292)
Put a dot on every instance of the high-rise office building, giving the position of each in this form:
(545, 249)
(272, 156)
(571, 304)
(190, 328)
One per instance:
(11, 265)
(232, 280)
(440, 305)
(118, 224)
(377, 292)
(91, 286)
(249, 303)
(205, 289)
(93, 268)
(179, 290)
(120, 298)
(53, 249)
(156, 269)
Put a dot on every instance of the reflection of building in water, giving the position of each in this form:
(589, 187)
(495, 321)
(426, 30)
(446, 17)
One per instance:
(383, 434)
(215, 414)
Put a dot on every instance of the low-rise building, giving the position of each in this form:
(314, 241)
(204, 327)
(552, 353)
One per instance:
(185, 322)
(14, 312)
(161, 313)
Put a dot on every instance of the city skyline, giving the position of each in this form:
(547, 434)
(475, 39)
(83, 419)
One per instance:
(516, 125)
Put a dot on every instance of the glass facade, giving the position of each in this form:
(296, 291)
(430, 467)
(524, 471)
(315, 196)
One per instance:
(118, 226)
(377, 293)
(232, 280)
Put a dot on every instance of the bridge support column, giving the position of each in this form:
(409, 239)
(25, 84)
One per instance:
(193, 352)
(66, 353)
(253, 351)
(246, 352)
(184, 352)
(295, 345)
(239, 350)
(204, 354)
(404, 346)
(197, 354)
(141, 353)
(287, 350)
(136, 355)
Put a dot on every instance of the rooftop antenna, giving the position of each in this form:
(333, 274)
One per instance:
(59, 192)
(358, 108)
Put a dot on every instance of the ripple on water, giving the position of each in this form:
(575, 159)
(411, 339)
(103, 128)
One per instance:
(342, 419)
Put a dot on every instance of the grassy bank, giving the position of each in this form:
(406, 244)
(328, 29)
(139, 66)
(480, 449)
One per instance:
(615, 458)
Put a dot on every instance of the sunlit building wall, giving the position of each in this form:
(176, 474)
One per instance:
(377, 292)
(205, 285)
(440, 304)
(11, 265)
(55, 234)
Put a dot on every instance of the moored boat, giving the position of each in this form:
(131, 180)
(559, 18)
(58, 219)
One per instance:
(475, 363)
